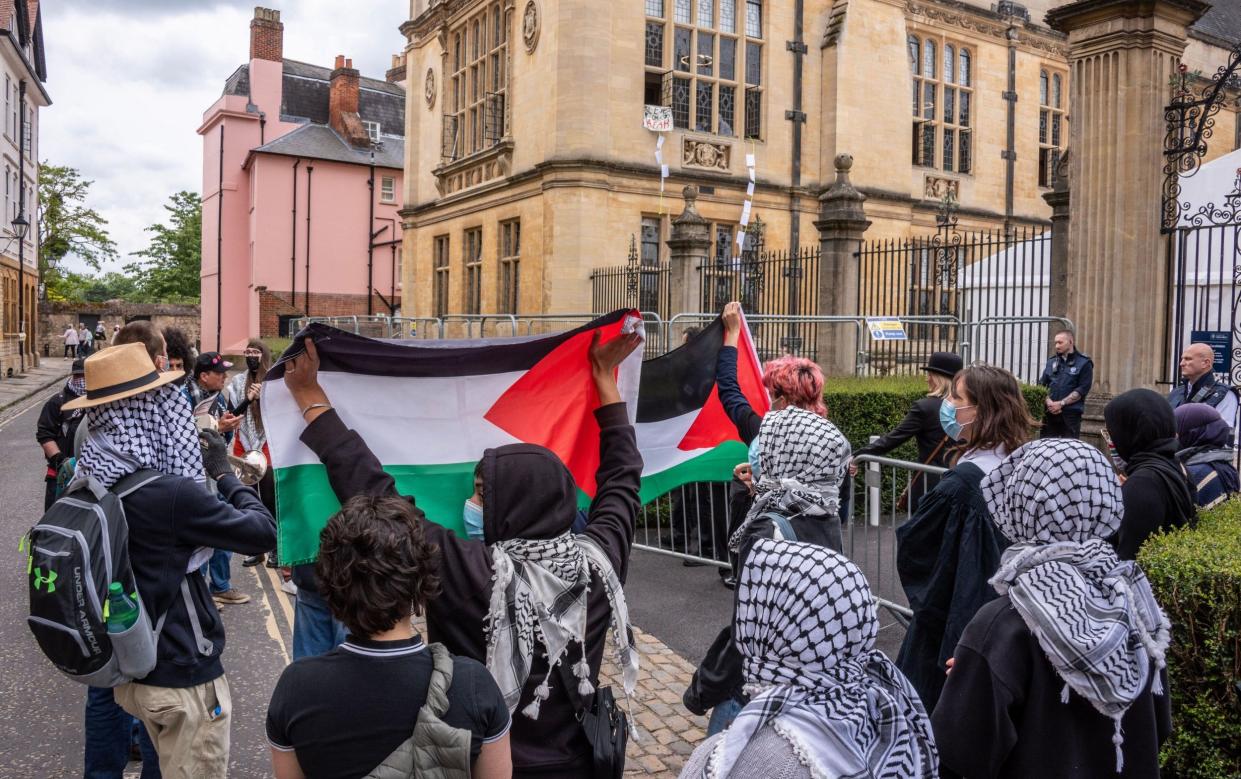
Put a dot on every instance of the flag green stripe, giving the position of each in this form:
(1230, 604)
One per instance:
(305, 499)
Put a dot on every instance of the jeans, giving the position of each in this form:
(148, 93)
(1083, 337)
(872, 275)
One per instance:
(108, 730)
(220, 570)
(722, 716)
(315, 631)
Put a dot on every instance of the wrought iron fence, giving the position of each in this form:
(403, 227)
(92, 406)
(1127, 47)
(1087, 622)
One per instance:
(997, 280)
(635, 284)
(779, 286)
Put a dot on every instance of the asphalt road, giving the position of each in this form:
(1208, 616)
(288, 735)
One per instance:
(41, 712)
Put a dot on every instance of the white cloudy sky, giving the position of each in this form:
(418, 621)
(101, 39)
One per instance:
(130, 79)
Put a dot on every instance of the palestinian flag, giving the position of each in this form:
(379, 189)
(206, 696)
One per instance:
(682, 430)
(428, 409)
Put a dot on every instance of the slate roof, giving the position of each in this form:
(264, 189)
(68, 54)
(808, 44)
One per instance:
(1222, 22)
(305, 91)
(319, 141)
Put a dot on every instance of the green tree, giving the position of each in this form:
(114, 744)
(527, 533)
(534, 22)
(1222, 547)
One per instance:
(169, 270)
(80, 287)
(67, 226)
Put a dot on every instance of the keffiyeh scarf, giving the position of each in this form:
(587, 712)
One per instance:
(151, 430)
(803, 459)
(539, 596)
(1093, 614)
(805, 626)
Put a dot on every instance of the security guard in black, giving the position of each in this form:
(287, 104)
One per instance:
(1067, 377)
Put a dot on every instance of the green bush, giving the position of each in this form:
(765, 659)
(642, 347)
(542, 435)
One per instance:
(862, 407)
(1196, 575)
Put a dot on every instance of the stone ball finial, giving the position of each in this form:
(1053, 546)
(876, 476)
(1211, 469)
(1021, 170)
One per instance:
(844, 162)
(690, 193)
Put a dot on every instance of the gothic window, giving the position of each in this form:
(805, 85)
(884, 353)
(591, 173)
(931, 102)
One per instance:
(441, 271)
(474, 115)
(704, 66)
(510, 264)
(1050, 124)
(472, 258)
(942, 104)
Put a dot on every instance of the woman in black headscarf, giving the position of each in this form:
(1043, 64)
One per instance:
(1156, 489)
(1205, 452)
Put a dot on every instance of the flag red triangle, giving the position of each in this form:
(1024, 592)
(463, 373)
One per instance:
(712, 426)
(553, 405)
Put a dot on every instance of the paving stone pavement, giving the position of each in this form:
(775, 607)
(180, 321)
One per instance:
(20, 388)
(667, 733)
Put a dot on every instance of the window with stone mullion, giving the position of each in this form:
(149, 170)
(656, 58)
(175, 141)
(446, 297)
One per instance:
(478, 63)
(942, 103)
(710, 62)
(1051, 100)
(441, 271)
(472, 256)
(510, 265)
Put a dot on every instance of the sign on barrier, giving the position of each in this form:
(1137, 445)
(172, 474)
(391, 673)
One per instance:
(886, 329)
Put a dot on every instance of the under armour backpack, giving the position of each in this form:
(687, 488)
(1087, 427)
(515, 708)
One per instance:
(78, 548)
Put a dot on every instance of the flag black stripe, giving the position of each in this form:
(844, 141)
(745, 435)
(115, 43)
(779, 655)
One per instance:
(680, 381)
(349, 353)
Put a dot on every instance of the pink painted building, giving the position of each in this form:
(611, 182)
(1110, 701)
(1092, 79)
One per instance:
(302, 172)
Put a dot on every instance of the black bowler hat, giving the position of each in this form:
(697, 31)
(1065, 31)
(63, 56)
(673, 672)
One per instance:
(944, 363)
(79, 367)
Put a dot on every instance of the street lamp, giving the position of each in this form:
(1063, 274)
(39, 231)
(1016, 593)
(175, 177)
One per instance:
(20, 227)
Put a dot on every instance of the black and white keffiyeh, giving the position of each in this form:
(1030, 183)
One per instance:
(150, 430)
(805, 625)
(538, 596)
(802, 462)
(1093, 614)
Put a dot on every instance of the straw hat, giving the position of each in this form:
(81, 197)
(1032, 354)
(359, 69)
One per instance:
(120, 372)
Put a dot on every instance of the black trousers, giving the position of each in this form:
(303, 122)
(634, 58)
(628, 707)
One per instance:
(1063, 425)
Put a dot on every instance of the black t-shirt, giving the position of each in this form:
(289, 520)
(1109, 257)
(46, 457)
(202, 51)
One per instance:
(345, 711)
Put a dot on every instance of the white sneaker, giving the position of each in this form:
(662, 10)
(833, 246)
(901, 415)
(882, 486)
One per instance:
(288, 587)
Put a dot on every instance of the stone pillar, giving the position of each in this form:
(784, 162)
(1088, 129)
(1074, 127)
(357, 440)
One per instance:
(842, 223)
(1058, 266)
(1122, 56)
(690, 246)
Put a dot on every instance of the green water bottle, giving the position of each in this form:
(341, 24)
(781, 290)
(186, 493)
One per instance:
(122, 611)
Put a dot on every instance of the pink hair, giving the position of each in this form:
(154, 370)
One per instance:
(798, 380)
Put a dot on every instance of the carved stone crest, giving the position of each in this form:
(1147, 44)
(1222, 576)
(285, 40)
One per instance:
(705, 154)
(428, 89)
(530, 26)
(936, 188)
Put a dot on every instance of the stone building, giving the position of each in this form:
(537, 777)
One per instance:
(25, 70)
(528, 164)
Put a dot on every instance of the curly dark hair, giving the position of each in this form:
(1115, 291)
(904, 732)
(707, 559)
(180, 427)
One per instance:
(178, 345)
(375, 565)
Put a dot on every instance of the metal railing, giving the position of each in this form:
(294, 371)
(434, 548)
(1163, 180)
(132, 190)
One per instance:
(874, 516)
(690, 522)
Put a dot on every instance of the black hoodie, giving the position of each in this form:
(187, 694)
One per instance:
(1157, 490)
(527, 493)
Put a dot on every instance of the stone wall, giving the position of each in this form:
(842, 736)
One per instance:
(55, 317)
(274, 304)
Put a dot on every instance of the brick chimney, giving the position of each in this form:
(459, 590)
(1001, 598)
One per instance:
(266, 35)
(343, 104)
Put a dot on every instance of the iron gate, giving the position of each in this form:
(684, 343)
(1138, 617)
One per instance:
(1202, 228)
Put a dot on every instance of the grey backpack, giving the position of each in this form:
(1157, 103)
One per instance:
(78, 548)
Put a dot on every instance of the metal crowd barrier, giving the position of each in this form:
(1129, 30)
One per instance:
(874, 516)
(690, 522)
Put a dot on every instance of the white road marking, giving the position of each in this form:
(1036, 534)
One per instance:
(273, 629)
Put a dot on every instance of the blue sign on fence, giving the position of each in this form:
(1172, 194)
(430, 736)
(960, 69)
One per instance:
(1220, 342)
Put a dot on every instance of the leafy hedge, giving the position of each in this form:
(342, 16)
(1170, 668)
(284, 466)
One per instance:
(862, 407)
(1196, 575)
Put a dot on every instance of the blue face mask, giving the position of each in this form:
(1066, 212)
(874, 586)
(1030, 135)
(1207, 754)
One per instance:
(948, 419)
(473, 517)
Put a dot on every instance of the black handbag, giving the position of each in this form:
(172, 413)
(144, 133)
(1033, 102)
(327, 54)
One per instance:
(604, 724)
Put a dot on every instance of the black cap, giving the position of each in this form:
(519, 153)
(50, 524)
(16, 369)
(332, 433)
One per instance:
(79, 367)
(944, 363)
(211, 361)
